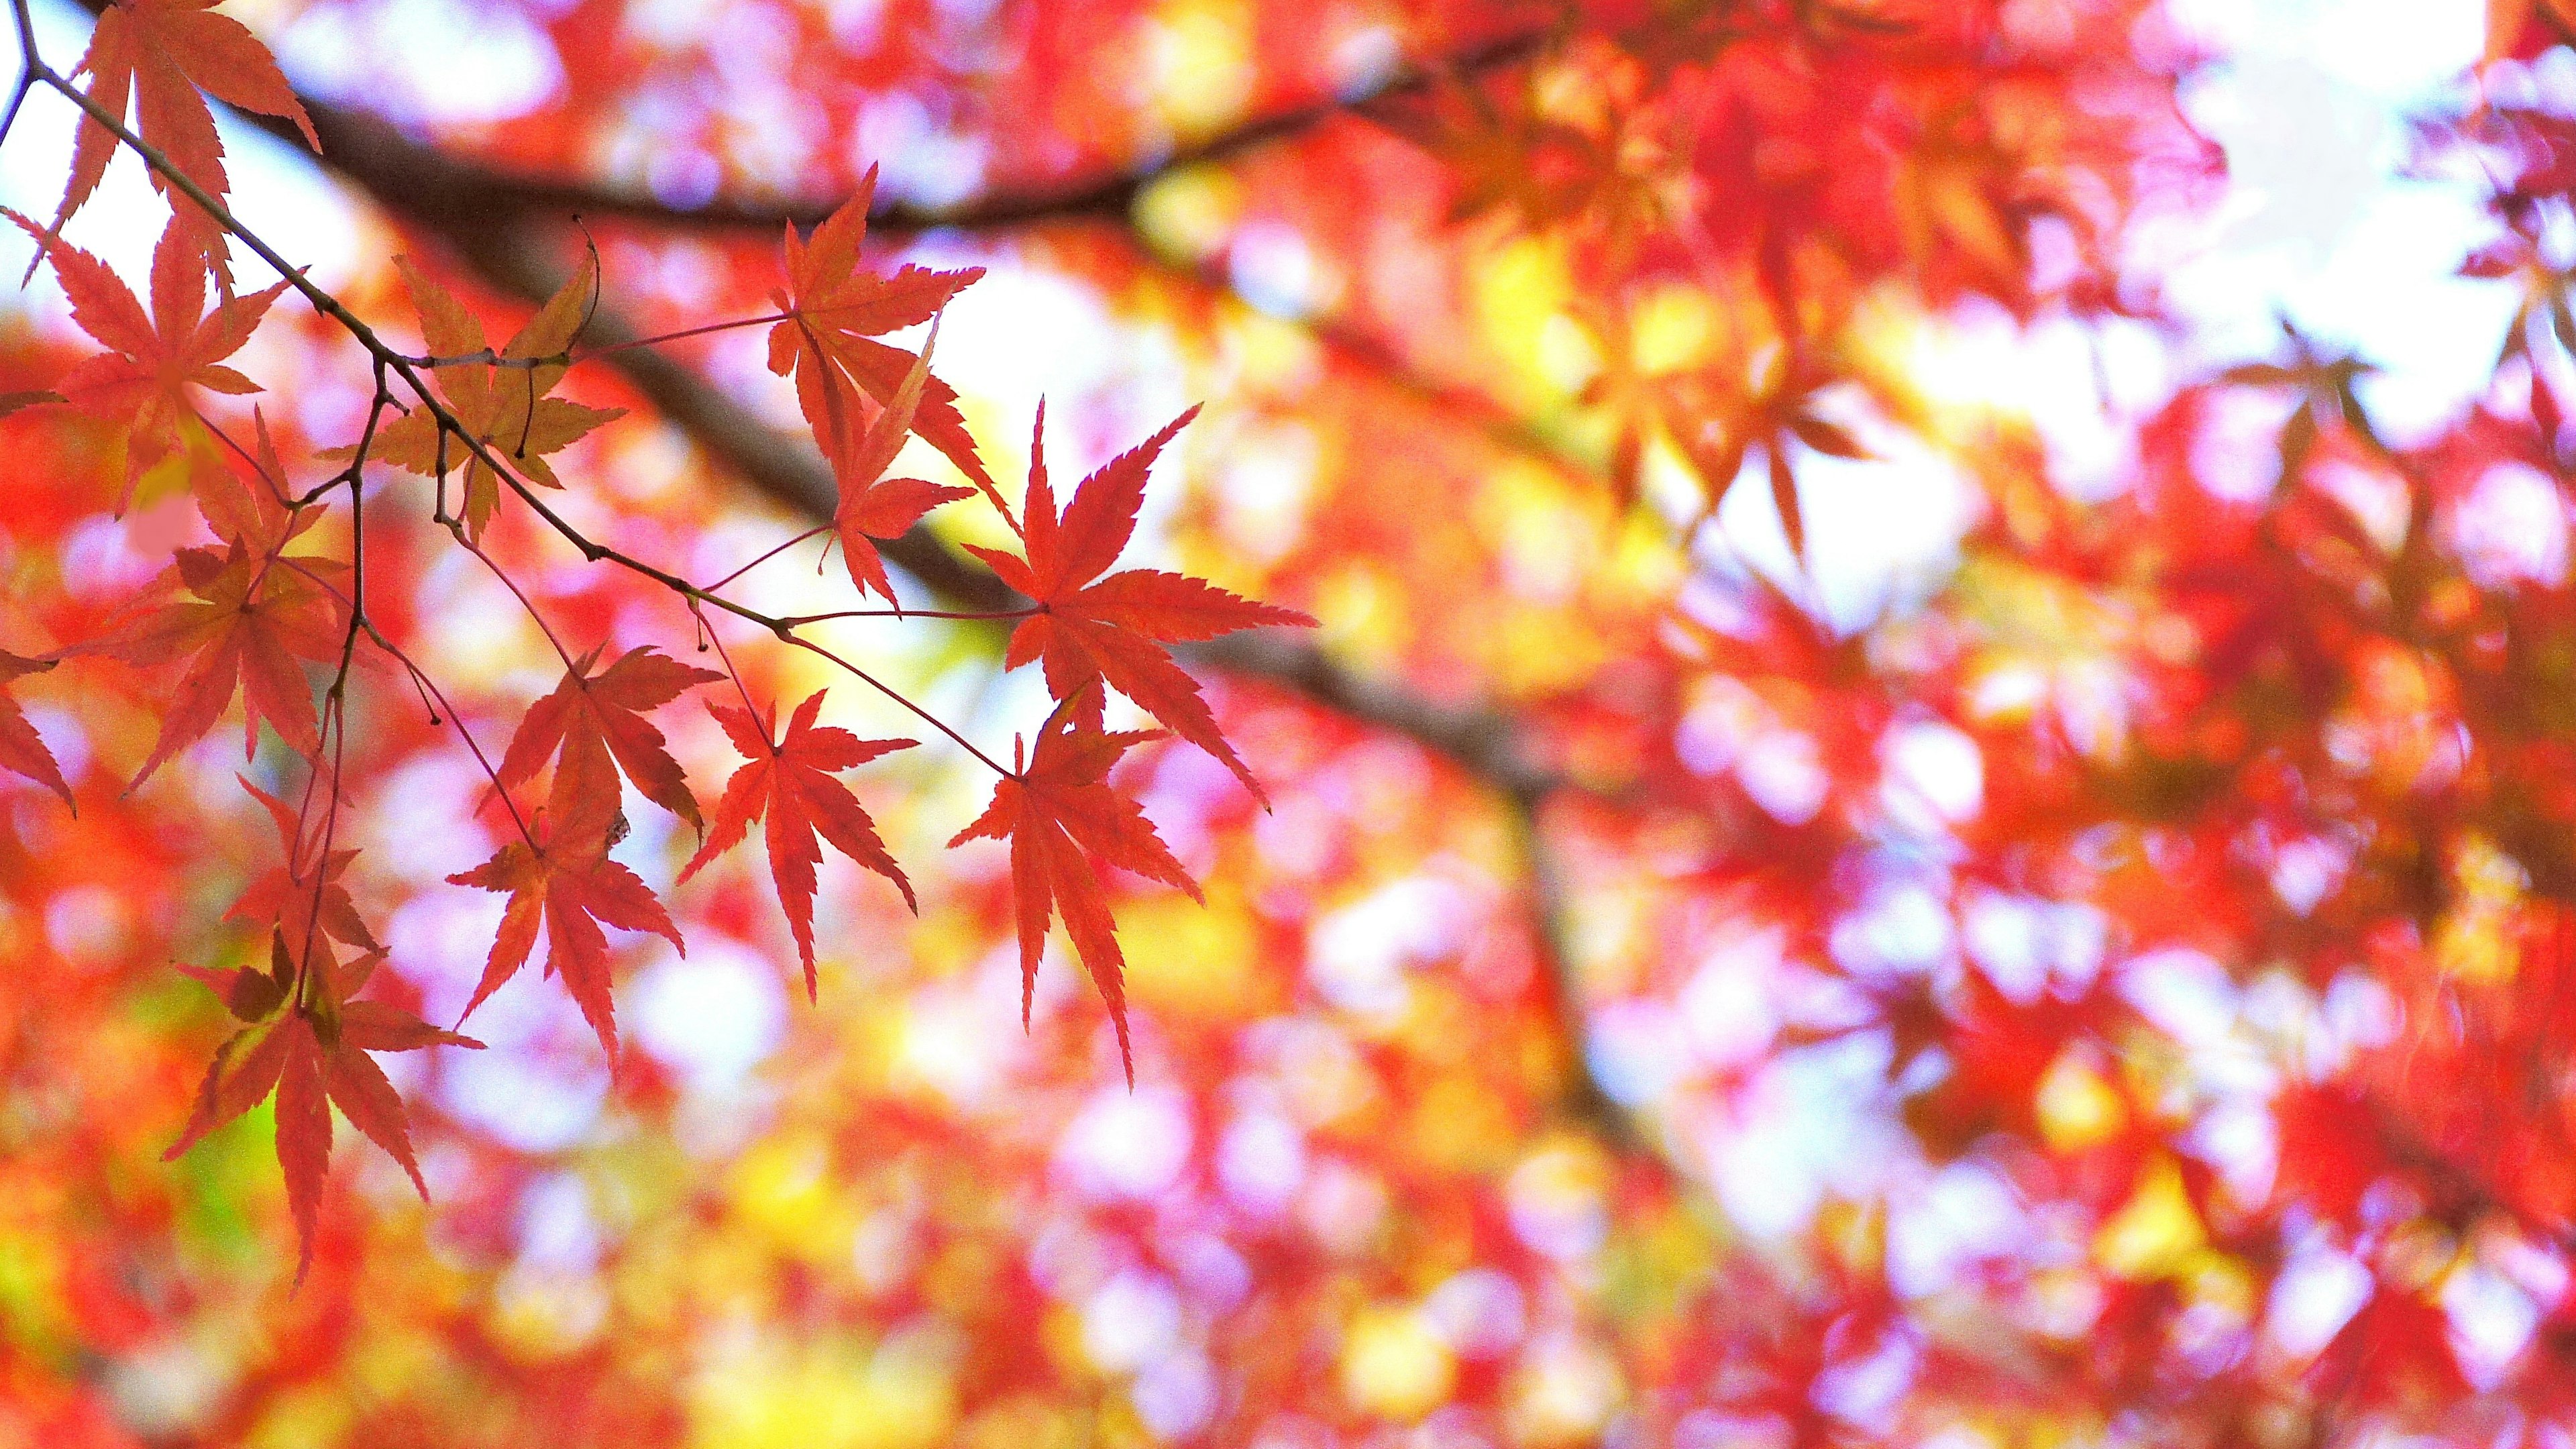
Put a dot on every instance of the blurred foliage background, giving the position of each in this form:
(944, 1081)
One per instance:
(1931, 806)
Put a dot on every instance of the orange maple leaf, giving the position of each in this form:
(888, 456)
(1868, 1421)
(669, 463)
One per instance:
(313, 1054)
(165, 51)
(873, 506)
(506, 409)
(253, 510)
(1716, 417)
(304, 894)
(791, 783)
(254, 615)
(564, 881)
(141, 383)
(606, 709)
(1058, 811)
(22, 750)
(836, 308)
(1114, 628)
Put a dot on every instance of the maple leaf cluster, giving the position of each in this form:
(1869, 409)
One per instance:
(2120, 996)
(275, 598)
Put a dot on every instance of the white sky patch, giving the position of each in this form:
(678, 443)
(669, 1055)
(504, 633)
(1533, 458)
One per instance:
(2023, 941)
(918, 159)
(2082, 384)
(2188, 996)
(1727, 1014)
(1479, 1313)
(2309, 104)
(949, 1041)
(1260, 1161)
(276, 191)
(1131, 1321)
(1880, 533)
(1125, 1145)
(2316, 1292)
(1804, 1123)
(539, 1083)
(1902, 928)
(422, 62)
(2491, 1321)
(1272, 268)
(556, 1228)
(2512, 527)
(533, 1086)
(1963, 1214)
(1935, 776)
(1637, 1048)
(440, 785)
(713, 1017)
(1176, 1395)
(1360, 955)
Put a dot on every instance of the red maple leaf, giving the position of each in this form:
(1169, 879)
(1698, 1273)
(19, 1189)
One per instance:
(22, 750)
(1058, 812)
(836, 308)
(562, 880)
(254, 615)
(165, 51)
(252, 509)
(791, 783)
(873, 506)
(304, 893)
(1090, 628)
(608, 708)
(508, 411)
(314, 1056)
(141, 383)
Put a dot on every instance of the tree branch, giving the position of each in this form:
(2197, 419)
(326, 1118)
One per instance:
(1487, 744)
(439, 182)
(487, 218)
(461, 199)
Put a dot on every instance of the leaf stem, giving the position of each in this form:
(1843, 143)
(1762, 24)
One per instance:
(799, 620)
(898, 696)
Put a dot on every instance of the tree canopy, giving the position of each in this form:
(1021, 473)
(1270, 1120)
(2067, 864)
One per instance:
(1222, 723)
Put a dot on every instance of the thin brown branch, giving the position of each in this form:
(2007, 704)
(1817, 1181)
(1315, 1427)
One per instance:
(435, 181)
(488, 219)
(460, 199)
(785, 467)
(1487, 744)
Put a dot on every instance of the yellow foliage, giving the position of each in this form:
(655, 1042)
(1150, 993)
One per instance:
(1394, 1366)
(783, 1188)
(2157, 1233)
(1193, 961)
(2077, 1108)
(833, 1397)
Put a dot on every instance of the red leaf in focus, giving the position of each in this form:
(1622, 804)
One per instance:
(252, 618)
(791, 783)
(1115, 629)
(836, 307)
(507, 410)
(141, 382)
(314, 1056)
(165, 51)
(873, 506)
(607, 709)
(303, 894)
(564, 881)
(1057, 813)
(22, 750)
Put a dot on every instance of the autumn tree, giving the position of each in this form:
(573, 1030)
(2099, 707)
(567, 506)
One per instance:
(1337, 901)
